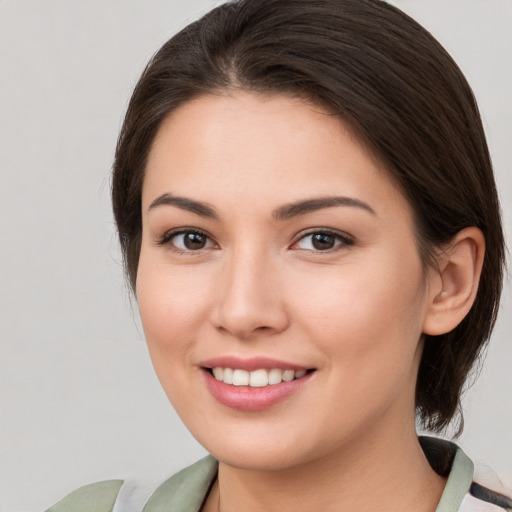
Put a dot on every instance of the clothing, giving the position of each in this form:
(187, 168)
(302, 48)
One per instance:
(187, 490)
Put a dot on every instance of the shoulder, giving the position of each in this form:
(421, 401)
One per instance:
(97, 497)
(185, 491)
(462, 493)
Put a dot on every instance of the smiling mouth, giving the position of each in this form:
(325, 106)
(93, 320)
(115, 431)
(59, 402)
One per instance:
(257, 378)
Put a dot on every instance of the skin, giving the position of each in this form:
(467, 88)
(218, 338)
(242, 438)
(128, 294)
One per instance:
(355, 313)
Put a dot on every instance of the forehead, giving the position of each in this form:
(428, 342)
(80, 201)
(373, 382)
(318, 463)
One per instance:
(277, 148)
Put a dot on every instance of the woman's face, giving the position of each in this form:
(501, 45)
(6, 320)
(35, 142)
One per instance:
(274, 244)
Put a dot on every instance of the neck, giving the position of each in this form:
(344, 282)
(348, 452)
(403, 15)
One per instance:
(388, 473)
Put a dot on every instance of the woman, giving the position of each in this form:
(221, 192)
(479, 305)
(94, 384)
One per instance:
(309, 221)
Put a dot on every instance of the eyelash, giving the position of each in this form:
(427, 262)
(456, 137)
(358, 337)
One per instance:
(344, 239)
(167, 238)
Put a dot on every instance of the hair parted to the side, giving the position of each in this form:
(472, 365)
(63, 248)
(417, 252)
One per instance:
(393, 84)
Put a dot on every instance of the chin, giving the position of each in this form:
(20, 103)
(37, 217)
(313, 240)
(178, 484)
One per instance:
(256, 458)
(270, 450)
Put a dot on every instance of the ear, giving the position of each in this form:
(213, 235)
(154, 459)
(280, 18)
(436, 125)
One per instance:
(454, 287)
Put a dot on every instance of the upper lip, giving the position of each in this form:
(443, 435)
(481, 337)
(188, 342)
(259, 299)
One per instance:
(250, 364)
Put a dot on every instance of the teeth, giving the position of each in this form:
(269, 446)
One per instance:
(227, 376)
(240, 378)
(218, 373)
(256, 378)
(275, 376)
(288, 375)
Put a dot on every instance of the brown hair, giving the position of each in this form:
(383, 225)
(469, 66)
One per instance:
(398, 89)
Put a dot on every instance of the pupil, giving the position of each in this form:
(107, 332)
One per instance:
(323, 241)
(194, 241)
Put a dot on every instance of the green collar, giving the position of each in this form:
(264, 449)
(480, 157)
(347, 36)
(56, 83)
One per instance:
(186, 490)
(457, 466)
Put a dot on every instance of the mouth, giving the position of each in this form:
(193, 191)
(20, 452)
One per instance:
(256, 384)
(258, 378)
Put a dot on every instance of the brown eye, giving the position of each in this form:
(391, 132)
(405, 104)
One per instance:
(194, 240)
(188, 241)
(323, 241)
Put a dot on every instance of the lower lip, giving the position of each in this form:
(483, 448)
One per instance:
(246, 398)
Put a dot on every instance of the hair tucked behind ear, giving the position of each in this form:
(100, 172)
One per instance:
(401, 93)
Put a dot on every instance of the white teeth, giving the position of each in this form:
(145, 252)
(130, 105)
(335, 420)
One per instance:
(275, 376)
(240, 378)
(227, 376)
(288, 375)
(257, 378)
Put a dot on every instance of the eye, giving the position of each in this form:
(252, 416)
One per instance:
(322, 241)
(187, 240)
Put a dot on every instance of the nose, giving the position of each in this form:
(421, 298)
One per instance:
(250, 299)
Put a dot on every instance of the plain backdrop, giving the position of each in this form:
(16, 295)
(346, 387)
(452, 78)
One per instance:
(79, 400)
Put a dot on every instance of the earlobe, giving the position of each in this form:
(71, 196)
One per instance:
(460, 266)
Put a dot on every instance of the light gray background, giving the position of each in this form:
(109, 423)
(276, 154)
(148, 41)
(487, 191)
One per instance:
(79, 401)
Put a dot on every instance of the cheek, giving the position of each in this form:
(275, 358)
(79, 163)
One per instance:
(367, 316)
(366, 325)
(173, 305)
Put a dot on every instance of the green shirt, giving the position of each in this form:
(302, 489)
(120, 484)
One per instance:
(187, 490)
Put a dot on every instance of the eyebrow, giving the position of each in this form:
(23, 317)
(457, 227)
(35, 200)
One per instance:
(284, 212)
(202, 209)
(311, 205)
